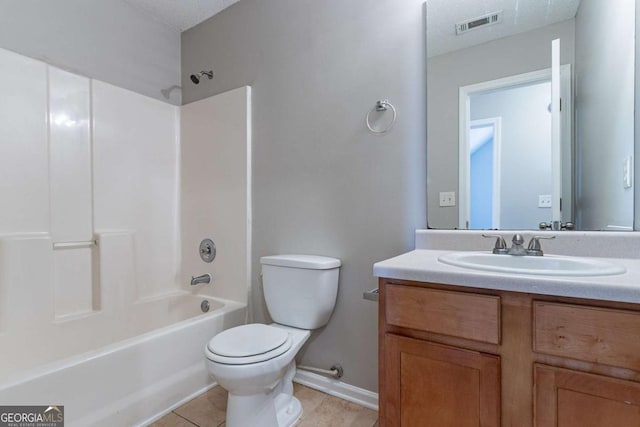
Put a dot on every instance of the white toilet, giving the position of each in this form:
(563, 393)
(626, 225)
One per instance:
(255, 363)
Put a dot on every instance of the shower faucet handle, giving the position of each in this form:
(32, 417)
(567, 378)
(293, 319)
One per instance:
(207, 250)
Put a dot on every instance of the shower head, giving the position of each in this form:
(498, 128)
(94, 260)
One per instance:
(195, 78)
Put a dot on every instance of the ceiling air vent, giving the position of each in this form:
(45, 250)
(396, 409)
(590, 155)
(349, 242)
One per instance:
(479, 22)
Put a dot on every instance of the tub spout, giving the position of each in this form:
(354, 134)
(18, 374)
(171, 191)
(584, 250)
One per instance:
(196, 280)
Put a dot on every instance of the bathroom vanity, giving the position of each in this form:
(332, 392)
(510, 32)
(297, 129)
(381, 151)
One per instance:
(459, 347)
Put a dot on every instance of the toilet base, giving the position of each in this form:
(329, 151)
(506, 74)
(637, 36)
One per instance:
(275, 408)
(289, 411)
(283, 410)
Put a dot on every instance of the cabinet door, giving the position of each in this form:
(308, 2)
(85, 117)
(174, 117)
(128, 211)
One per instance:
(567, 398)
(430, 384)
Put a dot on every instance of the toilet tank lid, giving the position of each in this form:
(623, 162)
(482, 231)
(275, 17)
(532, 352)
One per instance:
(310, 262)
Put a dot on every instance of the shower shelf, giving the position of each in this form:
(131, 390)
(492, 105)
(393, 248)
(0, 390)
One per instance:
(71, 245)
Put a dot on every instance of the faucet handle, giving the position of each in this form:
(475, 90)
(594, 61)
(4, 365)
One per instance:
(534, 247)
(500, 246)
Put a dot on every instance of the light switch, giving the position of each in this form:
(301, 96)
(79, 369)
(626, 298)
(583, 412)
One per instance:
(627, 171)
(447, 198)
(544, 201)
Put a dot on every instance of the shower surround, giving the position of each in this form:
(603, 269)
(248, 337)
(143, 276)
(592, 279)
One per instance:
(94, 191)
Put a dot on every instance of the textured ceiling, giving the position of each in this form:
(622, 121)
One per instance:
(442, 15)
(518, 16)
(181, 14)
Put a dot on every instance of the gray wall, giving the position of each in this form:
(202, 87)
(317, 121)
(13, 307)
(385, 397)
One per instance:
(321, 183)
(605, 60)
(106, 40)
(500, 58)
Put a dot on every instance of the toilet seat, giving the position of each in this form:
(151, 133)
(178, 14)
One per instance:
(248, 344)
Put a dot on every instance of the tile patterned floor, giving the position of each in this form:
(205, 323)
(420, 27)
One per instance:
(320, 410)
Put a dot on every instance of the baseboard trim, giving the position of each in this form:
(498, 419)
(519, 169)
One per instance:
(337, 388)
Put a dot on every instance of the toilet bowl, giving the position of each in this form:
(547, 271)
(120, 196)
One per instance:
(255, 363)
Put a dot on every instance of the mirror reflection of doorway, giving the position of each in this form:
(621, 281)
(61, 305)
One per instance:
(524, 166)
(484, 171)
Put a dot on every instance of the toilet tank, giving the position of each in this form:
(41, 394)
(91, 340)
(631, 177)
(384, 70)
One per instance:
(300, 290)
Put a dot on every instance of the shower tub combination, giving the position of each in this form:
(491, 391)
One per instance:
(136, 380)
(97, 242)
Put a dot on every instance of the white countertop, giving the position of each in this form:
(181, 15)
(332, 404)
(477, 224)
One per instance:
(422, 265)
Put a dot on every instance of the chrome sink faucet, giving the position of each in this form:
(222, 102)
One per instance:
(516, 245)
(517, 248)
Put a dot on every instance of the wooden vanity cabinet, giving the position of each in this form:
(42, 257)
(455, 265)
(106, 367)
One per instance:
(452, 356)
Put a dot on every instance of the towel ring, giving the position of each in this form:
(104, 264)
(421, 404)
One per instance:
(382, 105)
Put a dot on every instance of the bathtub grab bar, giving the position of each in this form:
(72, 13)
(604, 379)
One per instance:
(71, 245)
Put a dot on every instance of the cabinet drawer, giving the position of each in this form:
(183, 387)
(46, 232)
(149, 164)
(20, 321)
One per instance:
(592, 334)
(458, 314)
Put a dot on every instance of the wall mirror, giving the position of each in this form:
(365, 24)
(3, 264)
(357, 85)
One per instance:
(516, 138)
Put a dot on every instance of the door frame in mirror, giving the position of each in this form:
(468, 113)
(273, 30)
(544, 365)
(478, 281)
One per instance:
(465, 186)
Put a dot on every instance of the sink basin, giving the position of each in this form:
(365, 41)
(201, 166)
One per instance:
(547, 265)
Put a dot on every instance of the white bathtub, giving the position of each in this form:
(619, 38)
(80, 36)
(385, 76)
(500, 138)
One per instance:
(135, 380)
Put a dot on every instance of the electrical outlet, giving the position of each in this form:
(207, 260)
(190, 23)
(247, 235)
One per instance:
(447, 198)
(544, 201)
